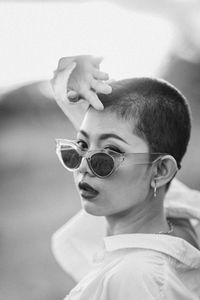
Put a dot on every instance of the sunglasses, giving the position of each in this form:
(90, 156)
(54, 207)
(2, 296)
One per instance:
(102, 162)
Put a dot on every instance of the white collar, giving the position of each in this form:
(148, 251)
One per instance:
(172, 246)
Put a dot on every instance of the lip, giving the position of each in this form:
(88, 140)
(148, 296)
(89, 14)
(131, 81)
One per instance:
(87, 191)
(88, 195)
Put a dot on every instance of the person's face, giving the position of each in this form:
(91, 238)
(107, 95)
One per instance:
(129, 185)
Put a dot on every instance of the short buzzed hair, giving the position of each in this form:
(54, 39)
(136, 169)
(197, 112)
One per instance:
(159, 112)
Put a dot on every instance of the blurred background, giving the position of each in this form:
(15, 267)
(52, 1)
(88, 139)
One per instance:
(37, 196)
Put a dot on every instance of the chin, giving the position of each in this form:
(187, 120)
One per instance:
(92, 208)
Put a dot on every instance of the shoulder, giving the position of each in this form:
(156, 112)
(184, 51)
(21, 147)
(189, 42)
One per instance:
(140, 273)
(141, 263)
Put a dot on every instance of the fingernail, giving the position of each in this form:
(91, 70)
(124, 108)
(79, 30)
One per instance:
(72, 96)
(108, 89)
(100, 107)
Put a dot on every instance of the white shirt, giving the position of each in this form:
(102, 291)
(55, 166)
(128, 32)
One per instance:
(75, 243)
(142, 267)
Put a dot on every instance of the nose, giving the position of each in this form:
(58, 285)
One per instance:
(84, 167)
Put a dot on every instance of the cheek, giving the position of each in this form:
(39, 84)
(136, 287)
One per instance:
(132, 174)
(130, 181)
(75, 175)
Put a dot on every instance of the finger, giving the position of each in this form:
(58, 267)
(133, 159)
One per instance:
(60, 80)
(100, 75)
(65, 72)
(93, 99)
(73, 96)
(100, 87)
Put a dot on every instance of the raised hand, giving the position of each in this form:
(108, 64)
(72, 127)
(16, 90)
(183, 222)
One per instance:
(79, 78)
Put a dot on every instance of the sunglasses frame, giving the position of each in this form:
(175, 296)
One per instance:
(117, 158)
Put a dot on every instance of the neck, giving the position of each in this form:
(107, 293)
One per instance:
(146, 217)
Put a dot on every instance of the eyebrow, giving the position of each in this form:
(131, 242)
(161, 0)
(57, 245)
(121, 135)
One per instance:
(104, 136)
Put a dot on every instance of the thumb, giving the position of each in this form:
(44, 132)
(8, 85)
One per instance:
(60, 81)
(69, 68)
(65, 62)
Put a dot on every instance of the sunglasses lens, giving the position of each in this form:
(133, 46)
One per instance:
(71, 158)
(102, 164)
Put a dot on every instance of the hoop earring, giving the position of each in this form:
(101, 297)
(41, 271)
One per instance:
(155, 190)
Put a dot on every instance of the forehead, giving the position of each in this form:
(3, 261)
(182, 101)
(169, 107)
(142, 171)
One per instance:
(105, 121)
(97, 123)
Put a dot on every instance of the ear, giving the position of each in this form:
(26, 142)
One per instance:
(165, 170)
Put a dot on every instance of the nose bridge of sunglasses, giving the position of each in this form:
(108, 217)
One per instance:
(85, 162)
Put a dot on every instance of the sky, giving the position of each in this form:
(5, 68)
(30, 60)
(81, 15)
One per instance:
(35, 35)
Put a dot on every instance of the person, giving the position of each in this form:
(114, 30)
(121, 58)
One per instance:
(79, 240)
(124, 159)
